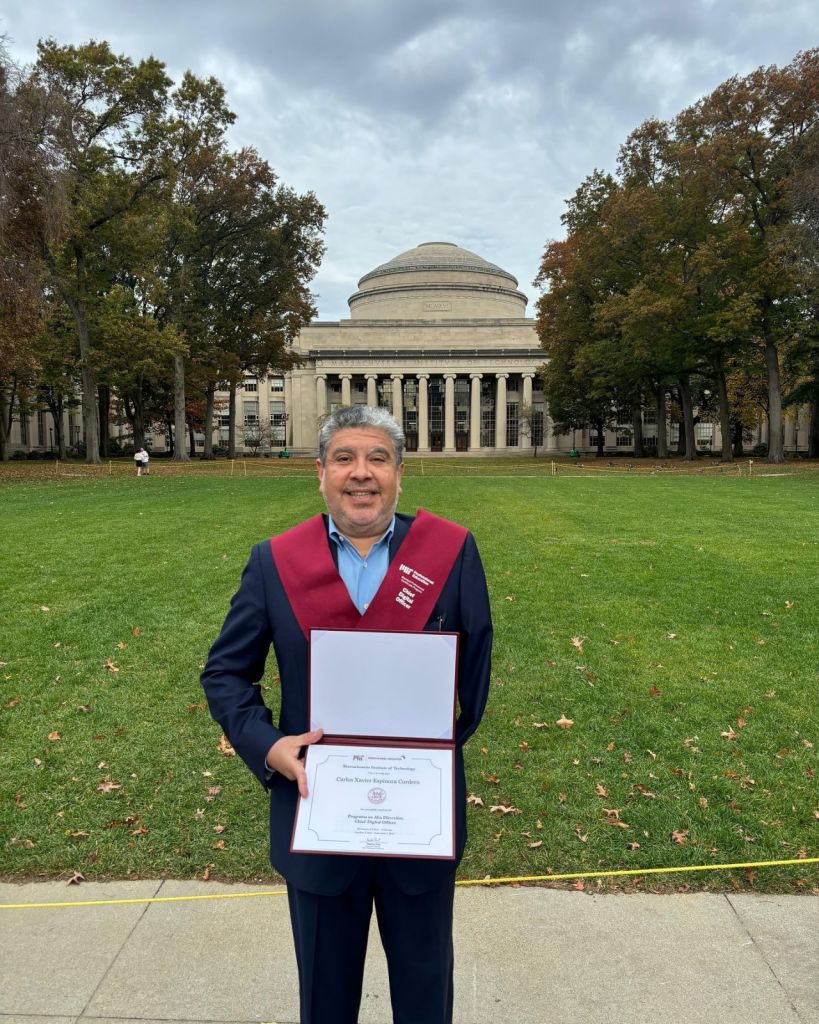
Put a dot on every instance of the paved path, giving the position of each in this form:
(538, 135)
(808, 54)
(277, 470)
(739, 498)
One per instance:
(523, 955)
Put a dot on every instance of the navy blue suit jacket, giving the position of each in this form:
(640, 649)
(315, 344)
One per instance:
(260, 615)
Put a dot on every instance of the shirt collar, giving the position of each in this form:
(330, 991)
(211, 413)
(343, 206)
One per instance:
(337, 536)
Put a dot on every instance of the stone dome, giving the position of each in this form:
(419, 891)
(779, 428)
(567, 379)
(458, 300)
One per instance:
(437, 281)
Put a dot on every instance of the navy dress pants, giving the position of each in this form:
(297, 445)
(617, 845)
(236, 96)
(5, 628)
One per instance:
(331, 933)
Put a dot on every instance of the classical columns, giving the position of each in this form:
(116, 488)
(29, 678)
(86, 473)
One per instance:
(449, 412)
(398, 397)
(475, 412)
(525, 435)
(372, 388)
(321, 395)
(500, 413)
(346, 395)
(423, 413)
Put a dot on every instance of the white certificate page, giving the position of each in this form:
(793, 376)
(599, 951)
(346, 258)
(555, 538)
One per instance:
(382, 801)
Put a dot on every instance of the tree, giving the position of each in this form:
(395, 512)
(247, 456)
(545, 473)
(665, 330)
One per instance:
(27, 212)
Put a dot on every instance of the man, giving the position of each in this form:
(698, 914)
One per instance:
(342, 571)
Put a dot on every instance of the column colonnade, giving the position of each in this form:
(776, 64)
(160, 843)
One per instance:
(325, 382)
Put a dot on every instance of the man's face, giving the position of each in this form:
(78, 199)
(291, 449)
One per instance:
(360, 480)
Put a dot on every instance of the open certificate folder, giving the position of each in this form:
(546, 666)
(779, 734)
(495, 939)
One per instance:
(381, 780)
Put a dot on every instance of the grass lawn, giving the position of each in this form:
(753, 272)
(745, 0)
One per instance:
(671, 618)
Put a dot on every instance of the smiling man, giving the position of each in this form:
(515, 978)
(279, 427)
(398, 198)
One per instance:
(345, 570)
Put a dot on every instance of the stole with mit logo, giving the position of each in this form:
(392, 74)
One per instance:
(381, 779)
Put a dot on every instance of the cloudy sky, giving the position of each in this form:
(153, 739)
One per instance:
(468, 121)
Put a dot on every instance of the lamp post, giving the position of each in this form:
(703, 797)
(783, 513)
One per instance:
(77, 437)
(51, 438)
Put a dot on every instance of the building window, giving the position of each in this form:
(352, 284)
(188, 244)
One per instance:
(512, 424)
(594, 440)
(250, 413)
(704, 434)
(624, 439)
(277, 384)
(436, 413)
(224, 426)
(251, 384)
(462, 391)
(24, 429)
(41, 429)
(537, 427)
(385, 393)
(488, 413)
(278, 423)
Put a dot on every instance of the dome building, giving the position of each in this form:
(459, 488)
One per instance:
(440, 336)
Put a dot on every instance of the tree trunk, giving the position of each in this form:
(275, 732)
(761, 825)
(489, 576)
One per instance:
(724, 417)
(179, 454)
(6, 419)
(192, 438)
(210, 400)
(601, 447)
(171, 439)
(103, 406)
(737, 439)
(637, 427)
(662, 428)
(688, 443)
(232, 421)
(813, 429)
(775, 447)
(138, 423)
(59, 428)
(90, 423)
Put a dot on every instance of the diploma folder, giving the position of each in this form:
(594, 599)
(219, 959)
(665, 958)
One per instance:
(381, 780)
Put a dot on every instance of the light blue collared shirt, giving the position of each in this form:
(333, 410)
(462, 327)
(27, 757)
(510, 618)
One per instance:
(362, 576)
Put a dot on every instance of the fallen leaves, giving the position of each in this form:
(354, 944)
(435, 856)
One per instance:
(75, 879)
(224, 747)
(564, 723)
(12, 703)
(680, 838)
(29, 844)
(577, 643)
(476, 800)
(613, 817)
(729, 734)
(111, 666)
(54, 737)
(504, 809)
(107, 786)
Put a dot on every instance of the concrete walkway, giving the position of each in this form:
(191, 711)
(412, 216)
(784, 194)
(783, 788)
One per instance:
(523, 955)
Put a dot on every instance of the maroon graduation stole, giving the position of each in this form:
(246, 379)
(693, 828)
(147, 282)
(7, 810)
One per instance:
(408, 592)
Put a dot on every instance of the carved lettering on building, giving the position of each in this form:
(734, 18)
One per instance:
(437, 307)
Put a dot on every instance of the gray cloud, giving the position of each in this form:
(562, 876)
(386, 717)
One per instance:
(461, 120)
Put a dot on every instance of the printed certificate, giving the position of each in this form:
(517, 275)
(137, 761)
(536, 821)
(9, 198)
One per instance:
(377, 800)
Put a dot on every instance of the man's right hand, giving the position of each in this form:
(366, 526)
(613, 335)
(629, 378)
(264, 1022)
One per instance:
(285, 756)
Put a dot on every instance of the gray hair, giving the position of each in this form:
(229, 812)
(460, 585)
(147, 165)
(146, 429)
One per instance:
(361, 416)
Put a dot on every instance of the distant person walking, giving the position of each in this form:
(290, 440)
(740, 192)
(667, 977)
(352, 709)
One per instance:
(141, 461)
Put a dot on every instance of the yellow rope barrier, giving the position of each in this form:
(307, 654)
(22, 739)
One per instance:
(514, 880)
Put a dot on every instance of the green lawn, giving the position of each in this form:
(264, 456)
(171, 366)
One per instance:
(693, 601)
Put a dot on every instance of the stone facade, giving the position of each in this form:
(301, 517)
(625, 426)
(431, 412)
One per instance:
(438, 335)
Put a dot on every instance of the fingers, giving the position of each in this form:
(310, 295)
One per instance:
(286, 756)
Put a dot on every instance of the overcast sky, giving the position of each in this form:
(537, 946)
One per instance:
(468, 121)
